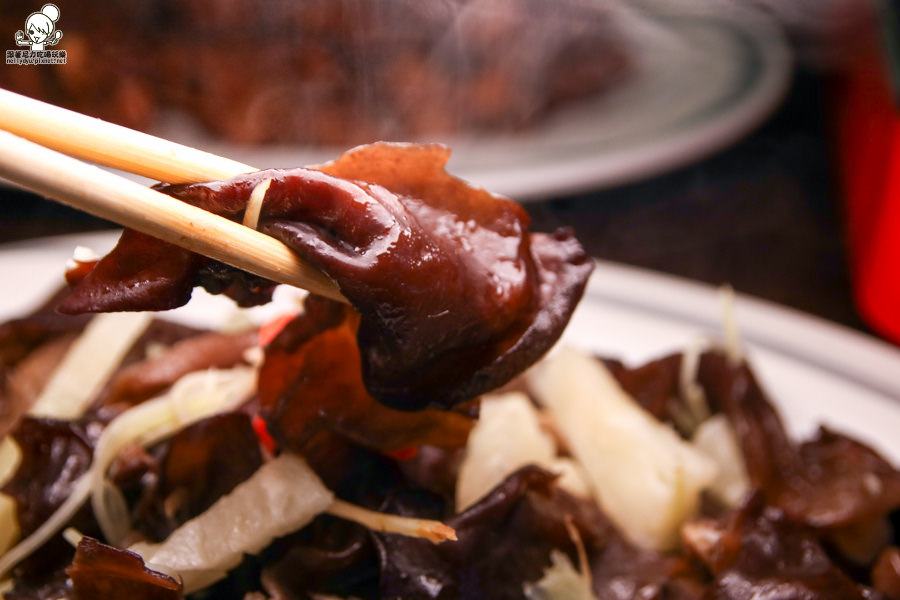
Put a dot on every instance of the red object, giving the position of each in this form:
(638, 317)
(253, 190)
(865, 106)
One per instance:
(408, 453)
(262, 432)
(271, 329)
(869, 148)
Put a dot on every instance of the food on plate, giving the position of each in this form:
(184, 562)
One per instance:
(453, 295)
(416, 443)
(234, 480)
(649, 493)
(336, 72)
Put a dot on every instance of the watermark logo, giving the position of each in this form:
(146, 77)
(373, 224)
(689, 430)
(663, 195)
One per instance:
(40, 32)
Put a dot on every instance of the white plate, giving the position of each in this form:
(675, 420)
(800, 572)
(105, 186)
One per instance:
(698, 85)
(815, 371)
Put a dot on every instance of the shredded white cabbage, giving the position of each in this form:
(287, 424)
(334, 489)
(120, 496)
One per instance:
(9, 523)
(433, 531)
(81, 254)
(194, 397)
(285, 496)
(646, 477)
(731, 334)
(84, 254)
(694, 410)
(10, 457)
(254, 204)
(57, 521)
(561, 581)
(73, 536)
(109, 501)
(716, 438)
(572, 477)
(506, 437)
(89, 363)
(281, 497)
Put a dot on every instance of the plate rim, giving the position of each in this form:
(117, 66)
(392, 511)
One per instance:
(540, 175)
(816, 341)
(675, 149)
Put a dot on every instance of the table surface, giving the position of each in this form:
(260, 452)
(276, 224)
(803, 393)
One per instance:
(762, 215)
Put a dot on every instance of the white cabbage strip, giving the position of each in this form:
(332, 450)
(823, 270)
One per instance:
(281, 497)
(88, 364)
(81, 254)
(9, 522)
(10, 457)
(731, 333)
(254, 205)
(716, 438)
(194, 397)
(286, 495)
(506, 437)
(645, 476)
(693, 409)
(560, 582)
(434, 531)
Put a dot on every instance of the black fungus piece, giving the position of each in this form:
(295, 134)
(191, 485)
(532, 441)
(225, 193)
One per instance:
(194, 468)
(758, 551)
(101, 572)
(311, 382)
(504, 541)
(456, 297)
(831, 480)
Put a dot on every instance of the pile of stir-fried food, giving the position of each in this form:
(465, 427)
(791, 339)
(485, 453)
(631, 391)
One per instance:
(415, 443)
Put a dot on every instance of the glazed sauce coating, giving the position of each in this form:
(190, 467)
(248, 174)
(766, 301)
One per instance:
(455, 295)
(101, 572)
(311, 381)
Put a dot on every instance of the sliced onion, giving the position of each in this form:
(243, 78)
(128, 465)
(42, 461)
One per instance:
(88, 364)
(194, 397)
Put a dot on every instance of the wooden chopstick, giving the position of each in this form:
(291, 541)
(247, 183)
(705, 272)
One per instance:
(110, 196)
(111, 145)
(57, 176)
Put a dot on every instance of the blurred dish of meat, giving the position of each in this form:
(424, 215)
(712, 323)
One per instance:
(329, 72)
(537, 98)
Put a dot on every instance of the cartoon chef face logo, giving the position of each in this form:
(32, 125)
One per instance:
(40, 29)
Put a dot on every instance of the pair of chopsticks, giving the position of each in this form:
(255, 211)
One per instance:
(40, 145)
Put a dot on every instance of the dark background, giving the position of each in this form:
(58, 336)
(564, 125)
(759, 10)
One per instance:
(763, 215)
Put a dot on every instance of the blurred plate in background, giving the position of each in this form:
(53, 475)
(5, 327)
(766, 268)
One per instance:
(699, 85)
